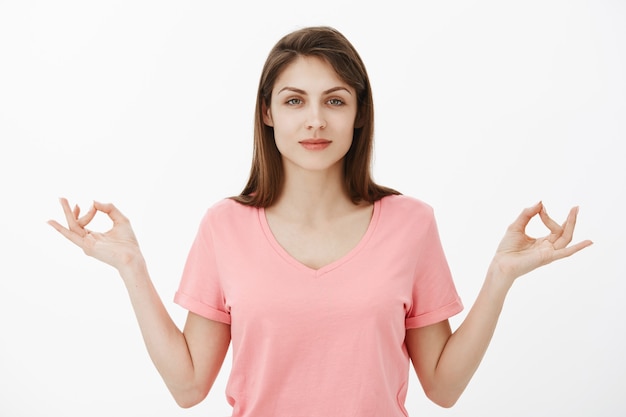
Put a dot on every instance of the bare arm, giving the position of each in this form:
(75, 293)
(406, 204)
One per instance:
(188, 360)
(445, 361)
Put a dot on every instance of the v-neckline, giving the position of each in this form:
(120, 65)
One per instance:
(327, 267)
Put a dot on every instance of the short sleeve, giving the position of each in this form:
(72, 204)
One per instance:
(434, 295)
(200, 290)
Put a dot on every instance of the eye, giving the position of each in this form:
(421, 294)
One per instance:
(336, 102)
(294, 101)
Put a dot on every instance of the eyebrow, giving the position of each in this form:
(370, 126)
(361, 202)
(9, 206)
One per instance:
(300, 91)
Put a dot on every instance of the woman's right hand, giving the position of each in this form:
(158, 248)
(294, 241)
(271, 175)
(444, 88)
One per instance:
(117, 247)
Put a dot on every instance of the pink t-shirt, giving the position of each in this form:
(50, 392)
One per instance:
(326, 342)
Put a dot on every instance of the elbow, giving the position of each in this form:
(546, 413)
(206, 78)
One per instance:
(446, 403)
(189, 398)
(444, 399)
(185, 402)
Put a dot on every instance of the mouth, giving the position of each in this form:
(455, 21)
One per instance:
(314, 141)
(315, 144)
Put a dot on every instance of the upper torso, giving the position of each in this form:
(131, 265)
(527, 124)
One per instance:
(325, 341)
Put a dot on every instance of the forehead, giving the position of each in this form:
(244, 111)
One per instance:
(309, 73)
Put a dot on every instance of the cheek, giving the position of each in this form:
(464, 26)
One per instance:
(283, 134)
(345, 120)
(345, 127)
(281, 129)
(281, 120)
(287, 129)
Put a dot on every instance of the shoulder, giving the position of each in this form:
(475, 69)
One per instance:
(228, 206)
(408, 219)
(404, 207)
(227, 211)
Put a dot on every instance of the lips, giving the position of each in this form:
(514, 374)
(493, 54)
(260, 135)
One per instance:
(314, 141)
(315, 144)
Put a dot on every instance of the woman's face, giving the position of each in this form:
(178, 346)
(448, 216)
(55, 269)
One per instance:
(313, 112)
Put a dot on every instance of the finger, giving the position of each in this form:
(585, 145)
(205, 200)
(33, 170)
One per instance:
(568, 229)
(71, 236)
(88, 217)
(110, 210)
(570, 250)
(519, 225)
(555, 228)
(76, 211)
(69, 217)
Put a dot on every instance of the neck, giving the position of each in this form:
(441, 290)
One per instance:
(313, 194)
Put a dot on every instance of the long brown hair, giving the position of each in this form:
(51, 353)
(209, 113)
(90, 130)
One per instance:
(266, 173)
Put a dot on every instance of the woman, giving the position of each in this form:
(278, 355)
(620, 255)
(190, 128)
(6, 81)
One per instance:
(327, 283)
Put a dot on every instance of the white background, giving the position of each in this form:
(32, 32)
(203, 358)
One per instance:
(483, 108)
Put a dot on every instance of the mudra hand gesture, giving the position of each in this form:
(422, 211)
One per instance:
(519, 253)
(117, 247)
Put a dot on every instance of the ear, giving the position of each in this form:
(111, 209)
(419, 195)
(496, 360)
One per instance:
(267, 115)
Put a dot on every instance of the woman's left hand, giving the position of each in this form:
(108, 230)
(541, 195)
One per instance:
(519, 253)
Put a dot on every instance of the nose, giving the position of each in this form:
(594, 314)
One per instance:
(315, 118)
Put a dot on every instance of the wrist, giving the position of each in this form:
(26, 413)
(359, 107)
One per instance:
(498, 277)
(133, 268)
